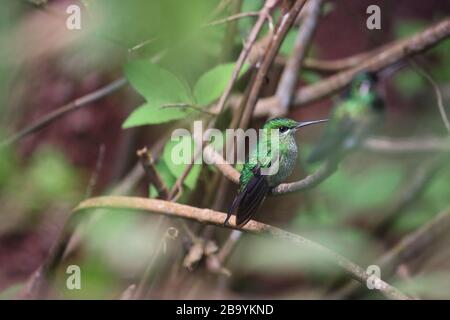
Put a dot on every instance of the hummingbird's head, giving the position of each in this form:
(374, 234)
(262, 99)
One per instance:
(287, 126)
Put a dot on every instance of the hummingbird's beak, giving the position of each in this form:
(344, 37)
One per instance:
(307, 123)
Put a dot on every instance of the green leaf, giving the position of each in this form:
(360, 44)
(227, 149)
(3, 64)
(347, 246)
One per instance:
(212, 83)
(159, 87)
(156, 84)
(177, 155)
(150, 113)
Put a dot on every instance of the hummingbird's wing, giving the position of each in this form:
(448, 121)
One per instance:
(248, 200)
(333, 139)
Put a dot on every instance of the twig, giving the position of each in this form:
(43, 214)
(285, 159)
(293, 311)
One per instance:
(410, 194)
(215, 217)
(391, 55)
(286, 22)
(408, 247)
(308, 182)
(289, 78)
(407, 145)
(263, 14)
(95, 174)
(148, 163)
(70, 107)
(233, 18)
(437, 91)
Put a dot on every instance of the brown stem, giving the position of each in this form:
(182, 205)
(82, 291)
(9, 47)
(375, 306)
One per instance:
(289, 78)
(216, 218)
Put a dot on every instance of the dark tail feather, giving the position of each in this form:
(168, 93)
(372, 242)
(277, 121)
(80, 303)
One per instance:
(248, 200)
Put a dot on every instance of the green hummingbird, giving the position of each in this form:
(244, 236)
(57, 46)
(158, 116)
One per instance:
(268, 165)
(356, 116)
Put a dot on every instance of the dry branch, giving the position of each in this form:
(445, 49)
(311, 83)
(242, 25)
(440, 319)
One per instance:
(398, 51)
(216, 218)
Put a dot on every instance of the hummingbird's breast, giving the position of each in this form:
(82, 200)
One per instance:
(288, 159)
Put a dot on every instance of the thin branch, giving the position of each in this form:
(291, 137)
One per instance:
(70, 107)
(410, 193)
(407, 145)
(407, 248)
(437, 91)
(233, 18)
(148, 164)
(306, 183)
(263, 14)
(216, 218)
(286, 22)
(399, 50)
(289, 78)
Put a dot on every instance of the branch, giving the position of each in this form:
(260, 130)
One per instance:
(286, 22)
(61, 111)
(306, 183)
(410, 246)
(289, 78)
(438, 93)
(216, 218)
(391, 55)
(148, 164)
(407, 145)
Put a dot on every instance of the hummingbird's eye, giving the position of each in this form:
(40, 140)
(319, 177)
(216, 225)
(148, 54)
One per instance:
(283, 129)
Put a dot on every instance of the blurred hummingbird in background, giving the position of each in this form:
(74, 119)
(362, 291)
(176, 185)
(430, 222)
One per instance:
(357, 115)
(254, 182)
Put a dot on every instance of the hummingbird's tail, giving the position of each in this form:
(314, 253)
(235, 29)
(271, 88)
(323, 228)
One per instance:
(247, 202)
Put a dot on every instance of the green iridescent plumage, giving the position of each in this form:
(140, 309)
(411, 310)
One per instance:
(256, 180)
(355, 117)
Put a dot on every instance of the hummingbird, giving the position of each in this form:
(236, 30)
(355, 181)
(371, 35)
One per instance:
(255, 182)
(359, 112)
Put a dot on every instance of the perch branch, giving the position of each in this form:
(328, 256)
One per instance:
(308, 182)
(216, 218)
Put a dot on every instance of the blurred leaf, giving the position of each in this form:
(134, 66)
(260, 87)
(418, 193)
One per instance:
(409, 82)
(97, 281)
(105, 239)
(177, 155)
(317, 216)
(51, 176)
(150, 113)
(328, 7)
(405, 28)
(373, 187)
(441, 72)
(310, 77)
(427, 286)
(212, 83)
